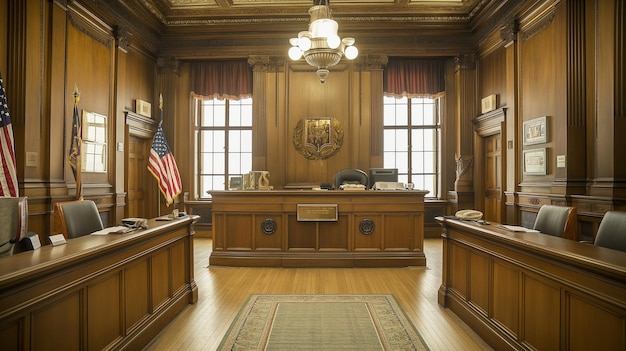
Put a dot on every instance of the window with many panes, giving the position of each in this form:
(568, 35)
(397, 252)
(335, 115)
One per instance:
(412, 137)
(223, 142)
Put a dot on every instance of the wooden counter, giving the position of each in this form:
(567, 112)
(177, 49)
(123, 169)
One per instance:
(533, 291)
(373, 229)
(113, 291)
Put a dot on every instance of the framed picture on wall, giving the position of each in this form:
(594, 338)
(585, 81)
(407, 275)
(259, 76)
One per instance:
(535, 131)
(535, 161)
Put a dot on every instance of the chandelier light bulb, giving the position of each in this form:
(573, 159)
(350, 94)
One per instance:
(333, 41)
(304, 43)
(351, 52)
(295, 53)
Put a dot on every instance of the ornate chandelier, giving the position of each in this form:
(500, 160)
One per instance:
(320, 45)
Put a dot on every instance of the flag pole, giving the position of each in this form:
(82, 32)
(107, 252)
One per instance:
(162, 165)
(75, 148)
(160, 125)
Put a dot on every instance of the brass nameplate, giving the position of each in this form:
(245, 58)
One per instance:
(317, 212)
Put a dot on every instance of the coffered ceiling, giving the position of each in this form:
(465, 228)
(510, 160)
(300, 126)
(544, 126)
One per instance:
(198, 29)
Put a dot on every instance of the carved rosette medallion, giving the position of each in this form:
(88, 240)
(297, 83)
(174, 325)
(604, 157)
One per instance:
(367, 226)
(269, 226)
(318, 138)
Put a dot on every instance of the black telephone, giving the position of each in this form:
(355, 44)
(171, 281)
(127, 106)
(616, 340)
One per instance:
(326, 186)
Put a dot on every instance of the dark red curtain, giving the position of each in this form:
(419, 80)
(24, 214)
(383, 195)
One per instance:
(414, 77)
(231, 79)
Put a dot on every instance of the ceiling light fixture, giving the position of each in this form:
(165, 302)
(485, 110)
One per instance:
(320, 45)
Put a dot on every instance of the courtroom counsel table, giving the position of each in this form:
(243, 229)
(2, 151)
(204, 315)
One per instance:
(531, 290)
(114, 291)
(327, 228)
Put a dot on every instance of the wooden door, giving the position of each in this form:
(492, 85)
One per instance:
(141, 185)
(492, 181)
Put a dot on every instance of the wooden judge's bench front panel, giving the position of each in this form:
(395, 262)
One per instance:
(373, 229)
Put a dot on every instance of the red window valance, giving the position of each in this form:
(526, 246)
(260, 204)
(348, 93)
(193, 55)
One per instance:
(414, 77)
(230, 79)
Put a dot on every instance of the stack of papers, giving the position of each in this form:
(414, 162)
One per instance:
(114, 230)
(517, 228)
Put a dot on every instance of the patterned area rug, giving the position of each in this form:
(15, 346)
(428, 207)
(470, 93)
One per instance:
(322, 322)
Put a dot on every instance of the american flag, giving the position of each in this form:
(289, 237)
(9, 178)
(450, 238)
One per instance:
(163, 167)
(8, 173)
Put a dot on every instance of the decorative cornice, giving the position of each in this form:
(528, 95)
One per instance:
(265, 63)
(168, 65)
(373, 62)
(508, 32)
(463, 62)
(84, 30)
(538, 26)
(345, 19)
(122, 37)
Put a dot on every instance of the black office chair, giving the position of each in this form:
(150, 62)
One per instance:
(558, 221)
(612, 231)
(77, 218)
(350, 176)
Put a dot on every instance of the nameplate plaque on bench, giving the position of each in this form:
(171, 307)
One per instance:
(317, 212)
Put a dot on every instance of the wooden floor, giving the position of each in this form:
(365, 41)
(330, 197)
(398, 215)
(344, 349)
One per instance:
(223, 290)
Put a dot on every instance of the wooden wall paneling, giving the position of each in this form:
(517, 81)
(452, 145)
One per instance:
(136, 294)
(479, 281)
(541, 309)
(90, 62)
(609, 108)
(492, 77)
(59, 325)
(332, 235)
(239, 232)
(459, 269)
(178, 267)
(302, 235)
(309, 98)
(160, 275)
(276, 126)
(119, 134)
(369, 242)
(11, 335)
(260, 96)
(4, 37)
(505, 293)
(53, 142)
(269, 241)
(449, 130)
(104, 307)
(375, 66)
(592, 324)
(572, 179)
(541, 65)
(394, 225)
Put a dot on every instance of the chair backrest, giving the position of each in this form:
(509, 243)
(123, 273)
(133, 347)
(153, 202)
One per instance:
(612, 231)
(350, 175)
(77, 218)
(558, 221)
(13, 222)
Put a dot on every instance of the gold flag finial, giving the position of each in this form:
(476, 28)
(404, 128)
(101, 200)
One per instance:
(161, 101)
(76, 93)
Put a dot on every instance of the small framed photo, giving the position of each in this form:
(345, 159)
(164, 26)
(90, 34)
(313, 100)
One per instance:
(535, 161)
(535, 131)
